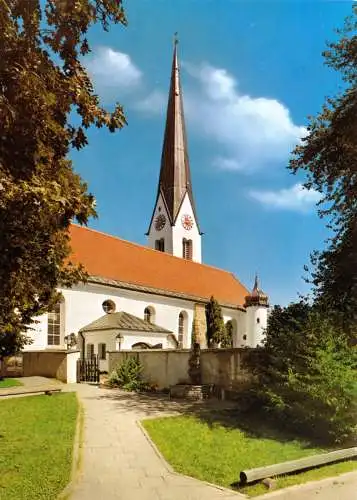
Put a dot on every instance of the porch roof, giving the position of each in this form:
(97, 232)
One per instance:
(123, 321)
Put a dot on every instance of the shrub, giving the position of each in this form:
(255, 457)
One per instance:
(128, 376)
(307, 374)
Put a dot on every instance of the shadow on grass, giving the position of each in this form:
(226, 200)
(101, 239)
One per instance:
(255, 423)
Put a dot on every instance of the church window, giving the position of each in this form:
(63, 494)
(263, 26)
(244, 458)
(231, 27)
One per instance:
(187, 249)
(160, 245)
(108, 306)
(90, 351)
(244, 337)
(181, 329)
(149, 314)
(102, 351)
(54, 325)
(258, 320)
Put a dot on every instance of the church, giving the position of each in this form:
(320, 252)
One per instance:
(154, 296)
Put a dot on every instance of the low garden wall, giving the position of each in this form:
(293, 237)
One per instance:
(163, 368)
(160, 367)
(52, 364)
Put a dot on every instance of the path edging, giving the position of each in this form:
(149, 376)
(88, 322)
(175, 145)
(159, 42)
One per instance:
(267, 496)
(309, 484)
(171, 470)
(76, 454)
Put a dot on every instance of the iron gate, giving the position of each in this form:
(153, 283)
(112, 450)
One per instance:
(88, 369)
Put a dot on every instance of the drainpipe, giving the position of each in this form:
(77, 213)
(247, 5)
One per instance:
(83, 346)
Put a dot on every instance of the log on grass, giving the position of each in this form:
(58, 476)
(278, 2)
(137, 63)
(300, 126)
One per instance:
(252, 475)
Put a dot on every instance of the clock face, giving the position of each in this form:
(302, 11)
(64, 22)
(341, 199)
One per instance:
(187, 222)
(160, 222)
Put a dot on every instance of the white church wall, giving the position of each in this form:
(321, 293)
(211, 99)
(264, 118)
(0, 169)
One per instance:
(165, 233)
(179, 232)
(239, 325)
(38, 334)
(83, 304)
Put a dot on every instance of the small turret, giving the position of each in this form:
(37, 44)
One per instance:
(256, 304)
(257, 297)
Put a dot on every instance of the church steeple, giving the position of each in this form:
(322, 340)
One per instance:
(174, 224)
(175, 175)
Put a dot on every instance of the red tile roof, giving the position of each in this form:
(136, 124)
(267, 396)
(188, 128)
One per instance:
(110, 257)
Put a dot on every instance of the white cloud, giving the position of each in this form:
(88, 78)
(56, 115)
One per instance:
(154, 102)
(111, 68)
(251, 131)
(296, 198)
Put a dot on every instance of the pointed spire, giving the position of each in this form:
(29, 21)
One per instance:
(257, 297)
(175, 176)
(256, 282)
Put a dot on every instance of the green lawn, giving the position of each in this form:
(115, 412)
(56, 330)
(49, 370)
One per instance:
(217, 453)
(10, 382)
(36, 444)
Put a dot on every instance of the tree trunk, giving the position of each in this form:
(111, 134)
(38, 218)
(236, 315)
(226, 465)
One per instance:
(2, 368)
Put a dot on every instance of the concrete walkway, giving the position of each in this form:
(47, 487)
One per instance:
(119, 461)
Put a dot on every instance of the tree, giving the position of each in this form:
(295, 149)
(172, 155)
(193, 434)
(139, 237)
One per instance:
(42, 83)
(228, 339)
(216, 331)
(328, 156)
(306, 373)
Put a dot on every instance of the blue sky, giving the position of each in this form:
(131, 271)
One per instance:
(252, 72)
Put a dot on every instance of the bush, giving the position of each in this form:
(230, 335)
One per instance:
(307, 375)
(128, 376)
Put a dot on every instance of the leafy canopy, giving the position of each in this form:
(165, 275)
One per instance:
(328, 156)
(43, 82)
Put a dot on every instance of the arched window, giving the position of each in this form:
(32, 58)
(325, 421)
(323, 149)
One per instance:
(181, 329)
(160, 245)
(149, 314)
(187, 249)
(54, 325)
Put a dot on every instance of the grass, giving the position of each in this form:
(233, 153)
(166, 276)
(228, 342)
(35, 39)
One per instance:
(36, 446)
(216, 453)
(10, 382)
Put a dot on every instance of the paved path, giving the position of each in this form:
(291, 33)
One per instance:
(118, 460)
(120, 463)
(338, 488)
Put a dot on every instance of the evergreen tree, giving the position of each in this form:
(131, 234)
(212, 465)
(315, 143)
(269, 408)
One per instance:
(42, 83)
(216, 331)
(328, 156)
(228, 339)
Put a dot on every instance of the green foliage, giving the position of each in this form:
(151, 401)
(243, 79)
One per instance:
(228, 339)
(43, 83)
(328, 156)
(216, 331)
(128, 376)
(307, 373)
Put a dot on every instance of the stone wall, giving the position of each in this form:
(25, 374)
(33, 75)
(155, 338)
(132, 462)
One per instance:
(221, 367)
(225, 368)
(200, 325)
(52, 364)
(160, 367)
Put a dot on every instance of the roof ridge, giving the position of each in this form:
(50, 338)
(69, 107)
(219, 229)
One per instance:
(148, 249)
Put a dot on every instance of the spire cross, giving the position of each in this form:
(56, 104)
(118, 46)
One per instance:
(176, 38)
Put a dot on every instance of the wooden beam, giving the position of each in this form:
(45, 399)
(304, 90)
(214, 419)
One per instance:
(17, 391)
(251, 475)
